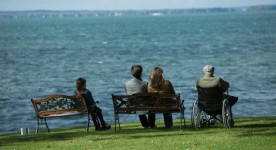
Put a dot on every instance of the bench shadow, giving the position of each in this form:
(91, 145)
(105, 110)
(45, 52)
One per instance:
(135, 131)
(258, 125)
(257, 129)
(68, 134)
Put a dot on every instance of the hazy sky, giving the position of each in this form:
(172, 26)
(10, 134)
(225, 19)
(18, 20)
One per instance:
(122, 4)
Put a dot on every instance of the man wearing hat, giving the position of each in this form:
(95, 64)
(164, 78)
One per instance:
(209, 80)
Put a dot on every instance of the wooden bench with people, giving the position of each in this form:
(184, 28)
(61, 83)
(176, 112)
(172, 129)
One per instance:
(148, 103)
(59, 106)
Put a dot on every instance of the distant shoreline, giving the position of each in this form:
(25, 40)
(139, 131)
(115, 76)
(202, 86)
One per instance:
(98, 13)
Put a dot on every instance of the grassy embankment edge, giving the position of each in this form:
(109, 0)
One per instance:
(248, 133)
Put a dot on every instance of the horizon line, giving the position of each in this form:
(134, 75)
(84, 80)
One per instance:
(227, 7)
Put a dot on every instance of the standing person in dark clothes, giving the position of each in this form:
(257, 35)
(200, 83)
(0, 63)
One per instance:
(95, 111)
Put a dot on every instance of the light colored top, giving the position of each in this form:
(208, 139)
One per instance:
(134, 86)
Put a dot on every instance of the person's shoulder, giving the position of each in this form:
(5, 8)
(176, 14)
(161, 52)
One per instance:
(167, 82)
(145, 82)
(219, 78)
(199, 78)
(222, 80)
(151, 89)
(150, 86)
(85, 91)
(127, 82)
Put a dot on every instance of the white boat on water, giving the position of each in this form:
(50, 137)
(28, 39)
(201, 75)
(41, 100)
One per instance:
(156, 14)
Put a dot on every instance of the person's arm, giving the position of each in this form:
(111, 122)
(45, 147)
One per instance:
(146, 88)
(196, 85)
(171, 89)
(150, 89)
(125, 88)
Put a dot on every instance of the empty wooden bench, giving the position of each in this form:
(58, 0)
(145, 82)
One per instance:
(59, 106)
(148, 102)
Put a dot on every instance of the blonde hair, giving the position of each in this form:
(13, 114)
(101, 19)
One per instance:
(156, 77)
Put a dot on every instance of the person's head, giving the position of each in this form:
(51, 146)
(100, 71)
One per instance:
(136, 71)
(208, 70)
(156, 77)
(80, 84)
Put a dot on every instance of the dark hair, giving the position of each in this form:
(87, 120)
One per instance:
(136, 71)
(156, 77)
(80, 84)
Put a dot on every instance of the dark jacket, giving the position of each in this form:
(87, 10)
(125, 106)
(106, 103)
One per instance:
(88, 97)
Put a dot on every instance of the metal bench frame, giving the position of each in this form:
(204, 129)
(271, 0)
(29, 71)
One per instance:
(59, 106)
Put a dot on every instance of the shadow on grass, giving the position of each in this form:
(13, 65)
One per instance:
(264, 126)
(249, 127)
(263, 132)
(257, 125)
(255, 119)
(131, 131)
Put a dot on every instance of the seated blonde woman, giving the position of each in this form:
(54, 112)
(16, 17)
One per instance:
(159, 85)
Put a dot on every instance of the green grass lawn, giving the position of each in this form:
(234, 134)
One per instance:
(249, 133)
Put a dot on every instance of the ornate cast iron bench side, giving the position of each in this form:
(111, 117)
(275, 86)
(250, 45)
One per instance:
(148, 102)
(59, 105)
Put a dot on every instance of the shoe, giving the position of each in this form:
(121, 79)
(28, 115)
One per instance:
(153, 127)
(212, 121)
(168, 127)
(106, 127)
(232, 123)
(98, 129)
(146, 127)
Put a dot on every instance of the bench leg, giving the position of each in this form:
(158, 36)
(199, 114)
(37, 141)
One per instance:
(116, 116)
(182, 113)
(41, 121)
(115, 121)
(184, 122)
(37, 126)
(119, 124)
(184, 117)
(88, 122)
(180, 121)
(46, 125)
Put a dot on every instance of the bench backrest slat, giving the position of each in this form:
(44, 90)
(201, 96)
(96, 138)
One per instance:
(146, 101)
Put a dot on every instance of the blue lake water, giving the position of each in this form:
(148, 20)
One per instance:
(39, 57)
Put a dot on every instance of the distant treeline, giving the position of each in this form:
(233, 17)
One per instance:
(96, 13)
